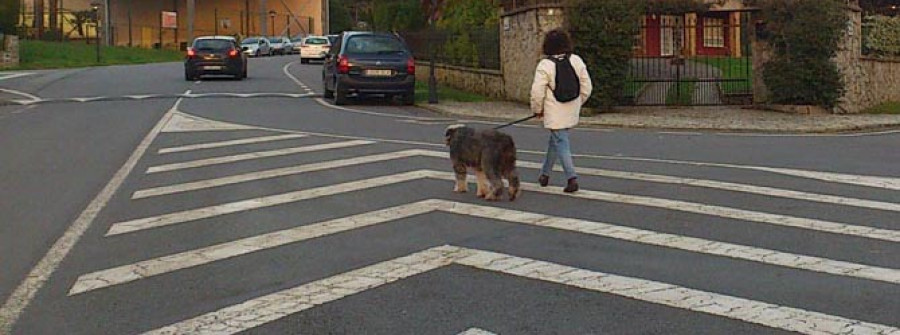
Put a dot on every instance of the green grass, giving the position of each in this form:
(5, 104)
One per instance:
(733, 68)
(53, 55)
(892, 107)
(446, 94)
(681, 94)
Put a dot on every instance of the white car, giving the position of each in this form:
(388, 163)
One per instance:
(281, 45)
(314, 47)
(256, 46)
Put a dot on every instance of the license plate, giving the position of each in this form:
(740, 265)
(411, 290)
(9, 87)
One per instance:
(379, 73)
(212, 67)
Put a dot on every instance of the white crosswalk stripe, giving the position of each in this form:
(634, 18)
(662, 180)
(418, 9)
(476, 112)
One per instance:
(254, 155)
(683, 206)
(166, 264)
(735, 187)
(221, 144)
(271, 307)
(265, 309)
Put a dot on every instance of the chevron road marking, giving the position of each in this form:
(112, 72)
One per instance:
(197, 257)
(212, 145)
(255, 155)
(44, 269)
(683, 206)
(727, 186)
(265, 309)
(476, 331)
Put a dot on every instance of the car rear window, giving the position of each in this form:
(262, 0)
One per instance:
(374, 44)
(211, 44)
(316, 41)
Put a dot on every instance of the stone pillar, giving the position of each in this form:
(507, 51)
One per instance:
(264, 18)
(849, 63)
(521, 37)
(9, 51)
(735, 31)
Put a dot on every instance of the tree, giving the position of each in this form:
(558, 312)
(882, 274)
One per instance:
(884, 7)
(9, 16)
(339, 16)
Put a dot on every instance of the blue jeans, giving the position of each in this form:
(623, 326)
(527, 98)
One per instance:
(559, 147)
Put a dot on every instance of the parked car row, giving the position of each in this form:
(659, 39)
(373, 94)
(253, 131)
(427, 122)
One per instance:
(267, 46)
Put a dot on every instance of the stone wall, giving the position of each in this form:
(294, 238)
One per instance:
(868, 81)
(521, 36)
(481, 81)
(9, 51)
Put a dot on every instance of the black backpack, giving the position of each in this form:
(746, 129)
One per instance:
(568, 87)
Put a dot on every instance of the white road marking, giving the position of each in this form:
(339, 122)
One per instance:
(476, 331)
(261, 139)
(192, 258)
(254, 155)
(5, 76)
(271, 307)
(87, 99)
(862, 180)
(31, 98)
(182, 122)
(141, 97)
(262, 202)
(259, 175)
(666, 204)
(735, 187)
(24, 293)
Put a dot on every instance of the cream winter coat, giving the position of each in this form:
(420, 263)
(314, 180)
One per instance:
(558, 115)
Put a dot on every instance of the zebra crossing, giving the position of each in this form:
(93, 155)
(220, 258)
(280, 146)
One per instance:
(274, 306)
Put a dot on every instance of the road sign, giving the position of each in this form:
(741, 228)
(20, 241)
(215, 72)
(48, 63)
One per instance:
(170, 20)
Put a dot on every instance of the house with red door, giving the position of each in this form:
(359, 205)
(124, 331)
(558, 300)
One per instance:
(716, 32)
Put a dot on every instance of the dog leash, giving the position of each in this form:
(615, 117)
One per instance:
(515, 122)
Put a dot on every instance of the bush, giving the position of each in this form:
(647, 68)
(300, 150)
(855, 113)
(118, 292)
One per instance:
(9, 16)
(882, 36)
(604, 35)
(804, 35)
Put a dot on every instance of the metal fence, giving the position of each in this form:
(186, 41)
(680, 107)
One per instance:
(707, 63)
(478, 48)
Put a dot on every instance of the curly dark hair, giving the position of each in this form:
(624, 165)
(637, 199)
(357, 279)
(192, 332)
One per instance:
(557, 42)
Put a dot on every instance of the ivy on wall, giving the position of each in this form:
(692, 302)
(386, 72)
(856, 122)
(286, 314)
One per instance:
(882, 36)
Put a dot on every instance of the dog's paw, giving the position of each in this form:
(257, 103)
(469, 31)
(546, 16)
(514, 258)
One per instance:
(515, 195)
(460, 190)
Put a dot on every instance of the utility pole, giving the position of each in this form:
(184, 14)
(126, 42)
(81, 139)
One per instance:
(247, 17)
(216, 19)
(263, 12)
(190, 20)
(130, 35)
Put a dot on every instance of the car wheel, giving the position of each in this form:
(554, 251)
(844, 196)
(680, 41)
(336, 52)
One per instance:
(409, 98)
(304, 61)
(256, 54)
(244, 74)
(340, 96)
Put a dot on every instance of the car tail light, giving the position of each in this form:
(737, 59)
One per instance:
(343, 64)
(233, 53)
(411, 66)
(191, 53)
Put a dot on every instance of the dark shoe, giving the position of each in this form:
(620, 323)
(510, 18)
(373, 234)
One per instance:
(572, 186)
(544, 180)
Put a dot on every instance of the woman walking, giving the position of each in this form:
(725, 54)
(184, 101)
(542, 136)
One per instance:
(559, 116)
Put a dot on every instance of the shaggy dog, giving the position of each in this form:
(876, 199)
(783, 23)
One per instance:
(490, 153)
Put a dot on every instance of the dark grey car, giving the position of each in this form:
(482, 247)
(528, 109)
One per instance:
(366, 63)
(215, 55)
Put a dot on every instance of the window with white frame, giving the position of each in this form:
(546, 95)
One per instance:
(713, 32)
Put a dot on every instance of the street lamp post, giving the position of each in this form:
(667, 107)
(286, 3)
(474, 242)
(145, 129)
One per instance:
(432, 81)
(95, 7)
(272, 15)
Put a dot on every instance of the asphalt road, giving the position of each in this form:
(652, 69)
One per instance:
(133, 201)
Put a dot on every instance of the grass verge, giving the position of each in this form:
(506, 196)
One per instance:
(892, 107)
(54, 55)
(446, 94)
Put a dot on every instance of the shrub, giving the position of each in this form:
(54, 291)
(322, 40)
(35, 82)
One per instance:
(804, 35)
(604, 35)
(882, 36)
(9, 16)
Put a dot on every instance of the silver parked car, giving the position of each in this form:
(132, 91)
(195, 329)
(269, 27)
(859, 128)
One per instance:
(281, 45)
(256, 46)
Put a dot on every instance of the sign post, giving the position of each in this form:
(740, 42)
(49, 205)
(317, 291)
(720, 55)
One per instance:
(168, 20)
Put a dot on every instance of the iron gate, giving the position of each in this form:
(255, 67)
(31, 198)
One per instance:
(693, 59)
